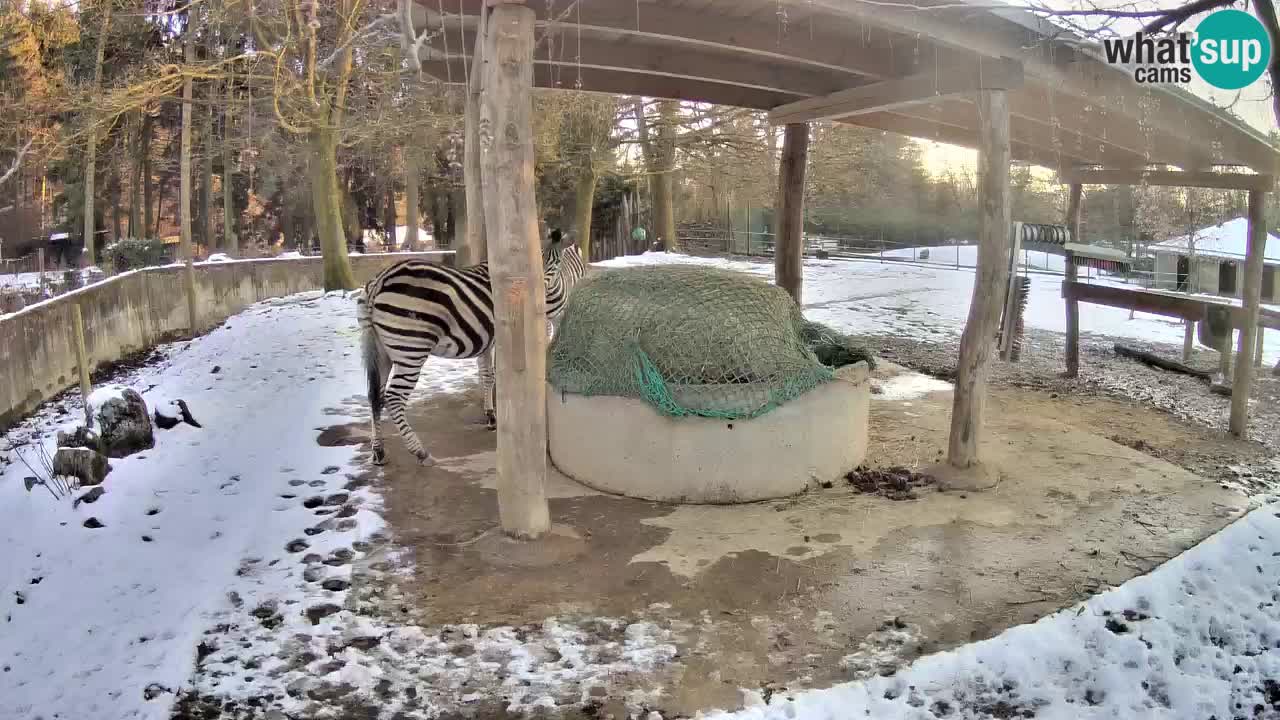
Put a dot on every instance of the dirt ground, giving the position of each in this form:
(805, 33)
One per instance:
(833, 585)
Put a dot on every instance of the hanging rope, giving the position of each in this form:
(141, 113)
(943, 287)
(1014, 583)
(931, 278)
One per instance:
(462, 41)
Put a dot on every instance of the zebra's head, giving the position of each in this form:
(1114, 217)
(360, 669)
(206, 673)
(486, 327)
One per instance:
(551, 255)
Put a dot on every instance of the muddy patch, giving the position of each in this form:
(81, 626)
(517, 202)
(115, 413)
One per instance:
(895, 483)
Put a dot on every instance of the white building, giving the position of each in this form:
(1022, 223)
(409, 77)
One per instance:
(1211, 261)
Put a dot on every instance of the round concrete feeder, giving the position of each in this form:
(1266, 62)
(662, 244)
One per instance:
(623, 446)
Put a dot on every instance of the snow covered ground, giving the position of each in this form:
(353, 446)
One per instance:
(231, 541)
(1197, 638)
(235, 543)
(922, 301)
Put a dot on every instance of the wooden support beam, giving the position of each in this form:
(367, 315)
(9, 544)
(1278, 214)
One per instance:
(1250, 333)
(973, 365)
(1075, 202)
(474, 248)
(788, 255)
(1257, 348)
(1160, 303)
(1167, 178)
(982, 74)
(515, 259)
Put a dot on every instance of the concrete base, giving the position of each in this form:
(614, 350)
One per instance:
(623, 446)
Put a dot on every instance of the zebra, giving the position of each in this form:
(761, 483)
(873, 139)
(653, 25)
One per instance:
(416, 309)
(572, 269)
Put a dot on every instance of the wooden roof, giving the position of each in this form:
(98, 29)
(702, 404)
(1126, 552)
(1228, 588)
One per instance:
(1071, 108)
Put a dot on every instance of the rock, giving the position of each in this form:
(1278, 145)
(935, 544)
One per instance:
(170, 414)
(93, 523)
(87, 465)
(125, 425)
(81, 437)
(88, 498)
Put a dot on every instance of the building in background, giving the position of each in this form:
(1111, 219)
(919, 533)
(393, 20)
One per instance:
(1211, 261)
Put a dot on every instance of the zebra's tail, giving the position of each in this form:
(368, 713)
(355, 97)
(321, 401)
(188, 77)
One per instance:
(376, 361)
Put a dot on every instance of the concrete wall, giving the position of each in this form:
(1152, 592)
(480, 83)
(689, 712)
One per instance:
(137, 310)
(622, 445)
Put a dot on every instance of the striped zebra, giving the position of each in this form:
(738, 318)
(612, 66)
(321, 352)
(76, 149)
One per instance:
(416, 309)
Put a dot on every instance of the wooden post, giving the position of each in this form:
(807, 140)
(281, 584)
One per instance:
(1257, 348)
(82, 361)
(1249, 333)
(515, 261)
(190, 277)
(989, 280)
(40, 268)
(1074, 202)
(474, 248)
(788, 252)
(1188, 337)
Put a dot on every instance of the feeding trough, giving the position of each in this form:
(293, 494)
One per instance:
(689, 384)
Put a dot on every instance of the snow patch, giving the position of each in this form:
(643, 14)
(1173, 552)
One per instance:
(909, 386)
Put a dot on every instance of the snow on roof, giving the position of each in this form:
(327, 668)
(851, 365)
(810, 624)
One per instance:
(1228, 240)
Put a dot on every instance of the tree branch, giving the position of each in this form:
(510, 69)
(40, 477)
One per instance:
(17, 162)
(1180, 15)
(1267, 12)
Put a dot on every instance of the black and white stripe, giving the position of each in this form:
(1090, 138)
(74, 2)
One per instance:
(416, 309)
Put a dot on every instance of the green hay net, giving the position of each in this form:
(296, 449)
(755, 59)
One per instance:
(693, 340)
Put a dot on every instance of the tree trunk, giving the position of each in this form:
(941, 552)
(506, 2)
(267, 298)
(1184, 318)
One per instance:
(389, 219)
(207, 144)
(326, 205)
(474, 248)
(664, 180)
(973, 365)
(186, 249)
(1075, 202)
(584, 198)
(1252, 295)
(287, 231)
(411, 199)
(91, 142)
(230, 237)
(135, 186)
(117, 226)
(788, 253)
(147, 185)
(516, 262)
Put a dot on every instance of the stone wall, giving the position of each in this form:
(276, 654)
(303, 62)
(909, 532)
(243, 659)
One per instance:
(134, 311)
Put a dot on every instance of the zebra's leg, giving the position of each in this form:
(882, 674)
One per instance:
(400, 384)
(488, 385)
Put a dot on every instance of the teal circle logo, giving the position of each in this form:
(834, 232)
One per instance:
(1232, 49)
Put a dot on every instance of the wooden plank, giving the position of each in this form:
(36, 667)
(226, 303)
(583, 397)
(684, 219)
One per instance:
(788, 256)
(680, 29)
(1252, 297)
(1075, 201)
(994, 200)
(983, 74)
(39, 269)
(1158, 303)
(1168, 178)
(515, 259)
